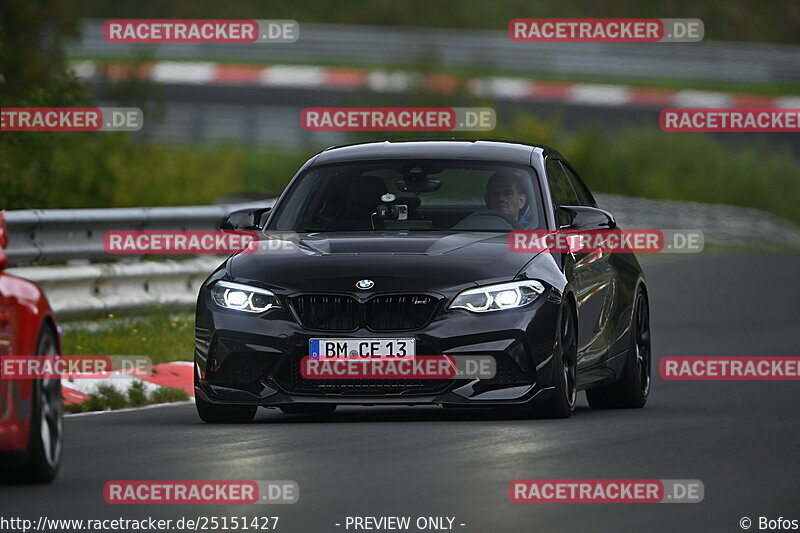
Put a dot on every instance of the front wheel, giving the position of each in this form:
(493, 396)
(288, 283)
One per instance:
(565, 356)
(211, 413)
(633, 387)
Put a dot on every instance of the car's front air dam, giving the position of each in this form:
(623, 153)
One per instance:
(518, 395)
(521, 340)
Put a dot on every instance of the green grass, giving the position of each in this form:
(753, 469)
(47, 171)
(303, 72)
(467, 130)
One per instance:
(109, 399)
(164, 335)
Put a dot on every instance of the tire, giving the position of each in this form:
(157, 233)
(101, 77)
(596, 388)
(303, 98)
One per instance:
(308, 409)
(631, 390)
(565, 354)
(211, 413)
(45, 443)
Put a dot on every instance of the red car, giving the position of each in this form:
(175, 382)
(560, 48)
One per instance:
(31, 410)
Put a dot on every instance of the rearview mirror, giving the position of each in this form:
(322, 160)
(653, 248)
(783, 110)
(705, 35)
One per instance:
(244, 219)
(589, 218)
(419, 185)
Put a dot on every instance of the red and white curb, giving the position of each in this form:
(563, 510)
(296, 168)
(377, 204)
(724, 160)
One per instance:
(175, 375)
(345, 78)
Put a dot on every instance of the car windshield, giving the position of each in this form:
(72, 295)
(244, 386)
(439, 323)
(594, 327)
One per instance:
(432, 195)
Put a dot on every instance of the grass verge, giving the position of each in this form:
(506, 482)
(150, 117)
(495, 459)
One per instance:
(109, 399)
(165, 334)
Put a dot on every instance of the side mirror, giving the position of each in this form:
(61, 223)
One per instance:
(589, 218)
(244, 219)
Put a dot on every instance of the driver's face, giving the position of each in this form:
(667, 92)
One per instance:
(504, 196)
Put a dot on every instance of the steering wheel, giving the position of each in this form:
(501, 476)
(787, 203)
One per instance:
(472, 221)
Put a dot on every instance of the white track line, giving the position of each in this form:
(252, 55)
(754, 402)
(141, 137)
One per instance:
(129, 409)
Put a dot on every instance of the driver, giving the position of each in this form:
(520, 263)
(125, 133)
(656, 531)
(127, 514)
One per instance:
(505, 193)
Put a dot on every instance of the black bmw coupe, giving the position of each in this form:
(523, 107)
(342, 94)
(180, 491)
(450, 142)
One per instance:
(401, 249)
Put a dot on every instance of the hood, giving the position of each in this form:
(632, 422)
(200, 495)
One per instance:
(394, 261)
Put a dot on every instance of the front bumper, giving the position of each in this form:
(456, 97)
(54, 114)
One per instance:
(254, 360)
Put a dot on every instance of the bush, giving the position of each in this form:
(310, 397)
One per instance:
(108, 170)
(644, 161)
(689, 166)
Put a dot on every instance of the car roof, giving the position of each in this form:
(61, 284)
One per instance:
(511, 152)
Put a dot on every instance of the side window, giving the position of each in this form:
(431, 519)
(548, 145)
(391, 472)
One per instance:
(560, 189)
(584, 196)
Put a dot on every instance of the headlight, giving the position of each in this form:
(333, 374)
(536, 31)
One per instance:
(243, 297)
(498, 297)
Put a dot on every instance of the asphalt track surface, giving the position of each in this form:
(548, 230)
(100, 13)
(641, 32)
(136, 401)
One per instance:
(740, 438)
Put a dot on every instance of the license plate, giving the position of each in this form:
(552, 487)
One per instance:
(361, 348)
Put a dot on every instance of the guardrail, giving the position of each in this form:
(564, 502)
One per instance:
(75, 289)
(115, 287)
(57, 235)
(487, 49)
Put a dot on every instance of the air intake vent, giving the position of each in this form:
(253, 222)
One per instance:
(399, 312)
(396, 312)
